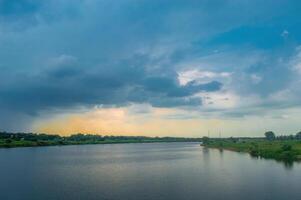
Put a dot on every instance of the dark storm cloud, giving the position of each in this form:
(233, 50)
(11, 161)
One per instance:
(59, 54)
(64, 86)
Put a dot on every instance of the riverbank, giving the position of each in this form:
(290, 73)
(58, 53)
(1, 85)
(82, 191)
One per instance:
(11, 140)
(286, 150)
(15, 144)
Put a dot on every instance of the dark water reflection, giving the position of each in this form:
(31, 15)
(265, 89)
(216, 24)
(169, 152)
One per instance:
(143, 171)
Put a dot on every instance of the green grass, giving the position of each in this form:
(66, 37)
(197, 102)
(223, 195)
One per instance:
(289, 150)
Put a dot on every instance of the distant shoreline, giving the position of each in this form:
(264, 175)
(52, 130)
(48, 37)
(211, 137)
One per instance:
(73, 144)
(14, 140)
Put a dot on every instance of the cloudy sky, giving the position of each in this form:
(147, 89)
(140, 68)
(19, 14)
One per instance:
(151, 67)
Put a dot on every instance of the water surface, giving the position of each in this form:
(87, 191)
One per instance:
(143, 171)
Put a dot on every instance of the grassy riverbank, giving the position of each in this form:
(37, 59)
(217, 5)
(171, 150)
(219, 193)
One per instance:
(289, 150)
(9, 140)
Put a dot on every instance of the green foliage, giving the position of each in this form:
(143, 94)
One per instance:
(205, 140)
(286, 147)
(286, 150)
(8, 141)
(254, 149)
(30, 139)
(270, 135)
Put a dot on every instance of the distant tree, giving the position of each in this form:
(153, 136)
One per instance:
(234, 140)
(205, 140)
(270, 135)
(298, 136)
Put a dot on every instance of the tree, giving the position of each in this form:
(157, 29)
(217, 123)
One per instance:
(205, 140)
(270, 135)
(298, 136)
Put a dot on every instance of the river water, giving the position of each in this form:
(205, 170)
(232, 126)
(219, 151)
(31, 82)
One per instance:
(151, 171)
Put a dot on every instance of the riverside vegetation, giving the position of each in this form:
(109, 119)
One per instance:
(286, 148)
(283, 148)
(31, 139)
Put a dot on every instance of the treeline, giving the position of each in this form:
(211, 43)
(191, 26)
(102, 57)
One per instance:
(84, 137)
(28, 136)
(270, 135)
(32, 139)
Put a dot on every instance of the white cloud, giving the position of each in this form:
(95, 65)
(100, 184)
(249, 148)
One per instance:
(200, 76)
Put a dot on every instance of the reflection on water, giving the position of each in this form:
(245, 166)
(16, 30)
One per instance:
(144, 171)
(288, 164)
(205, 150)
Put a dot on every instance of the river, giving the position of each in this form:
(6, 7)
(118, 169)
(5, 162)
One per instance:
(150, 171)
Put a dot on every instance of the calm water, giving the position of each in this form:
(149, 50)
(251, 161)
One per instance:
(143, 171)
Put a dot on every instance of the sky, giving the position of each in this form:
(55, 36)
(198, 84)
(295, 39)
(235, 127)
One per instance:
(155, 68)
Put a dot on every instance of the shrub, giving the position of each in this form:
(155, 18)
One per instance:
(286, 147)
(8, 141)
(254, 151)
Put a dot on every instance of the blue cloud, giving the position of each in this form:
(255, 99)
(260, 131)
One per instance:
(72, 85)
(62, 53)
